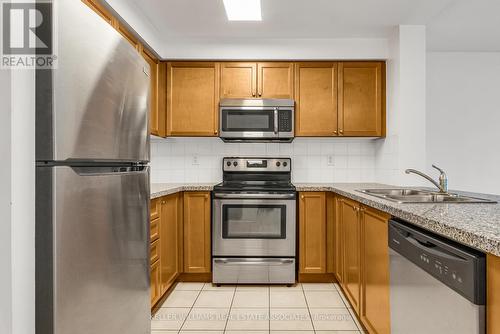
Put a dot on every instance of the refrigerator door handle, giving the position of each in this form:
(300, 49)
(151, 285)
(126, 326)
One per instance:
(103, 170)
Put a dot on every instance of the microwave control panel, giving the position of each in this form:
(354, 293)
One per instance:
(285, 120)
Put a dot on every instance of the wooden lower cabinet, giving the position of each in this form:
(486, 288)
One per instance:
(197, 243)
(155, 283)
(330, 232)
(169, 237)
(312, 233)
(375, 301)
(351, 225)
(493, 294)
(338, 251)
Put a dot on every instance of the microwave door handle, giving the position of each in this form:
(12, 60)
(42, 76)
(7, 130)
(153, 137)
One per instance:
(275, 121)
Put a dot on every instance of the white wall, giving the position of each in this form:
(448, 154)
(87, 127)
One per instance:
(352, 160)
(404, 146)
(463, 118)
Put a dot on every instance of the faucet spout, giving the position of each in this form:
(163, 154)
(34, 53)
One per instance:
(443, 180)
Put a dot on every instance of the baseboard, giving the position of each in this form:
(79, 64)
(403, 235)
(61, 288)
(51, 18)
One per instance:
(317, 278)
(195, 277)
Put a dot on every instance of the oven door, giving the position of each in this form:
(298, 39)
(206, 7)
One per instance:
(254, 227)
(249, 122)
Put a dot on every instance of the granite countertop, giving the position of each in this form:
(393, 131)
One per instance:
(474, 225)
(164, 189)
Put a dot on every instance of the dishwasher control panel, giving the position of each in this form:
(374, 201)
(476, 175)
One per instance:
(459, 267)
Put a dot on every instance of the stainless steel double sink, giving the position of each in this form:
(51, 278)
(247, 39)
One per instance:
(403, 195)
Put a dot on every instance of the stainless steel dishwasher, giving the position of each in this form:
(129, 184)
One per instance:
(437, 286)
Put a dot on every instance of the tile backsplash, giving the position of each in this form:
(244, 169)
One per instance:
(313, 159)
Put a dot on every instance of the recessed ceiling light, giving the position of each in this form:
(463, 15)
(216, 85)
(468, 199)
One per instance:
(243, 10)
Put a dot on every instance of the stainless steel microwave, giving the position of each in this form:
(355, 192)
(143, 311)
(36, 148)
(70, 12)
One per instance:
(257, 120)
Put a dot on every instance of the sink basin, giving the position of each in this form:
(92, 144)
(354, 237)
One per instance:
(401, 195)
(394, 192)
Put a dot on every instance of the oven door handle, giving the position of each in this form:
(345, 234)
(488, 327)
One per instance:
(254, 196)
(264, 262)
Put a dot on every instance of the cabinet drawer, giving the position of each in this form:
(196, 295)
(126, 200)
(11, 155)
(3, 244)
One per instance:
(155, 209)
(155, 251)
(155, 229)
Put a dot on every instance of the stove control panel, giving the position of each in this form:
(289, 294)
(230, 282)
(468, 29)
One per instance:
(257, 165)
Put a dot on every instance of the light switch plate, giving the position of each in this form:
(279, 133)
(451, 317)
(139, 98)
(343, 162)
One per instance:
(330, 160)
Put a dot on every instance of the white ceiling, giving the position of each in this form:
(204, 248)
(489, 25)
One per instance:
(452, 25)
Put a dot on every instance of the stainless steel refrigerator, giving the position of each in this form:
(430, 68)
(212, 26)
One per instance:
(92, 182)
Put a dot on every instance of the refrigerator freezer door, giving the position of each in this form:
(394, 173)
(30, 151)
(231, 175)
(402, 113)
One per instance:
(92, 256)
(95, 104)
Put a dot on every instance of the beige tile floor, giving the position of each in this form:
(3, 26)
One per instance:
(306, 308)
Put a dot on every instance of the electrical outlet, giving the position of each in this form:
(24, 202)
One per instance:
(195, 160)
(330, 161)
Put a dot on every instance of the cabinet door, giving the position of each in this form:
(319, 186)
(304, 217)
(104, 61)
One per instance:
(493, 294)
(338, 242)
(156, 121)
(375, 302)
(155, 283)
(352, 246)
(330, 232)
(312, 233)
(192, 98)
(238, 80)
(316, 99)
(275, 80)
(361, 99)
(169, 241)
(197, 251)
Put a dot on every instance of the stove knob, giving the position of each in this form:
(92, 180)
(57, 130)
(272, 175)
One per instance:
(235, 164)
(285, 163)
(278, 163)
(228, 163)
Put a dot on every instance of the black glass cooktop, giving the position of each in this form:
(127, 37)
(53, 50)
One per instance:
(255, 186)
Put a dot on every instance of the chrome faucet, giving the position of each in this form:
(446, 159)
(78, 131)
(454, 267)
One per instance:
(443, 179)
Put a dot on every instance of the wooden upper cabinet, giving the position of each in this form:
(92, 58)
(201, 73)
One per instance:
(316, 99)
(375, 301)
(362, 99)
(156, 118)
(349, 213)
(102, 11)
(275, 80)
(238, 80)
(131, 38)
(312, 233)
(197, 246)
(192, 98)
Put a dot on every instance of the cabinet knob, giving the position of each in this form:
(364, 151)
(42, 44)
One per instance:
(302, 196)
(253, 94)
(206, 196)
(335, 132)
(216, 132)
(341, 131)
